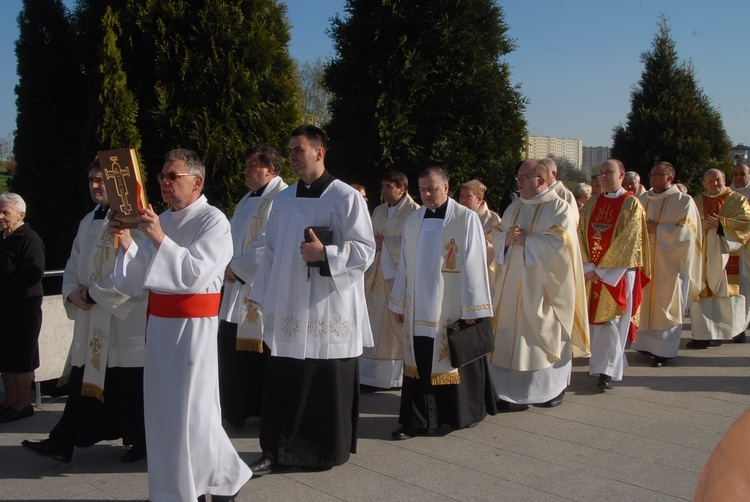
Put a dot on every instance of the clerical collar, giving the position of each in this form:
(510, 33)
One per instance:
(100, 212)
(438, 213)
(258, 192)
(316, 188)
(614, 195)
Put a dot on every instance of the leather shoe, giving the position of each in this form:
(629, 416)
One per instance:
(502, 405)
(605, 382)
(12, 414)
(403, 433)
(740, 338)
(265, 465)
(134, 454)
(46, 448)
(698, 344)
(555, 401)
(659, 362)
(224, 498)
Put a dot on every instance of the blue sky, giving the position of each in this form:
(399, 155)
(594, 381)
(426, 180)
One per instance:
(576, 60)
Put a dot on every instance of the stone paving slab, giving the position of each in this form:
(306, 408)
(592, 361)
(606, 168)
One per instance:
(646, 440)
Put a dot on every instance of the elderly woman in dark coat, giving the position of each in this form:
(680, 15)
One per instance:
(21, 271)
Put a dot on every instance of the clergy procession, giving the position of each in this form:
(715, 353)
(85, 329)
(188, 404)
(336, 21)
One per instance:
(286, 310)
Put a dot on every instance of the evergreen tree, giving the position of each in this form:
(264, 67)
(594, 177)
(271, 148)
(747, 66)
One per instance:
(422, 82)
(117, 108)
(671, 119)
(50, 105)
(223, 80)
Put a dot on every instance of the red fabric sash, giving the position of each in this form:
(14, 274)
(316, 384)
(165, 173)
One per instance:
(183, 306)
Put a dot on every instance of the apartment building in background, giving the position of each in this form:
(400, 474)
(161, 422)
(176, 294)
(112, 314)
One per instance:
(595, 156)
(538, 147)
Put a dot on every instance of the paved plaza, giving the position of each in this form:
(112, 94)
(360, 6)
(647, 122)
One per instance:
(646, 440)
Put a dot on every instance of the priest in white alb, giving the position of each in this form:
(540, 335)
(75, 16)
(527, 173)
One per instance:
(613, 237)
(441, 279)
(741, 185)
(539, 295)
(242, 355)
(383, 364)
(182, 267)
(674, 231)
(720, 312)
(104, 370)
(319, 243)
(471, 195)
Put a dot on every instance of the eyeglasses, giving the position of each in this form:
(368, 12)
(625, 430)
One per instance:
(525, 177)
(171, 176)
(98, 181)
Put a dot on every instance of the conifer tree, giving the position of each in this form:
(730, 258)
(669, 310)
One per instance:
(223, 80)
(671, 119)
(419, 83)
(50, 109)
(117, 108)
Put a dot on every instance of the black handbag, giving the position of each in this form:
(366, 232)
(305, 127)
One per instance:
(469, 342)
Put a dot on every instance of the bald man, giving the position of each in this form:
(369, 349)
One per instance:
(614, 243)
(539, 296)
(720, 312)
(741, 179)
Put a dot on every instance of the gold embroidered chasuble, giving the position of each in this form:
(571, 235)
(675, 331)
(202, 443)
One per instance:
(385, 330)
(460, 279)
(540, 292)
(628, 248)
(721, 269)
(675, 253)
(250, 319)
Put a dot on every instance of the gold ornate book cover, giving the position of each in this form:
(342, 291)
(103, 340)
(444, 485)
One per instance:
(124, 182)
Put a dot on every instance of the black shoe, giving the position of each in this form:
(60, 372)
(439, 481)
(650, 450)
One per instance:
(265, 465)
(224, 498)
(605, 382)
(46, 448)
(659, 362)
(404, 432)
(134, 454)
(555, 401)
(12, 414)
(502, 405)
(739, 338)
(698, 344)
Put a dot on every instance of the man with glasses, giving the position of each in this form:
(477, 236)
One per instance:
(674, 231)
(182, 266)
(441, 279)
(104, 371)
(538, 330)
(242, 354)
(721, 311)
(614, 242)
